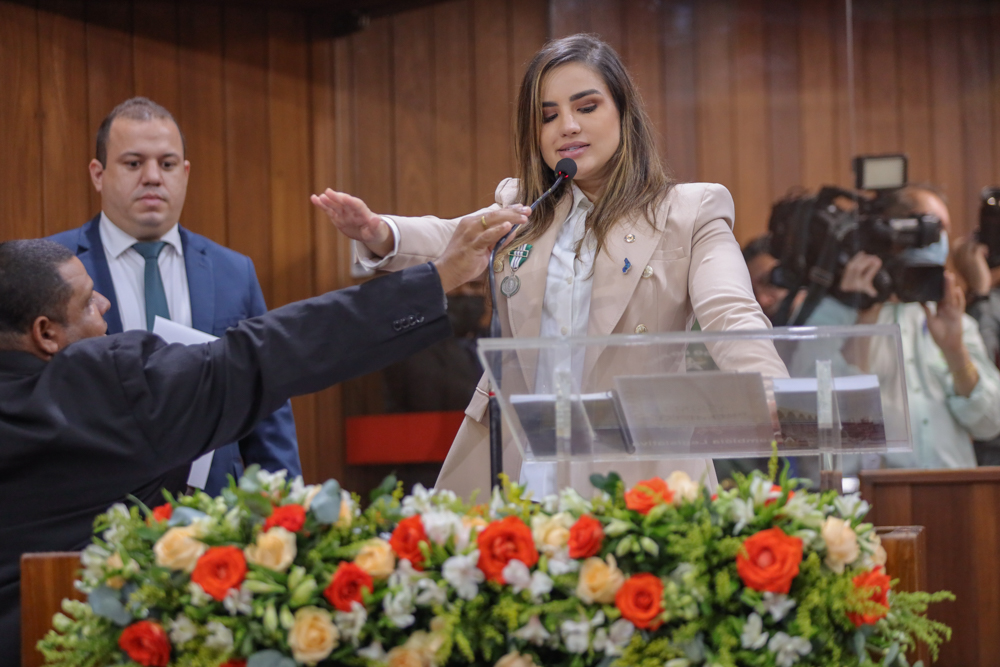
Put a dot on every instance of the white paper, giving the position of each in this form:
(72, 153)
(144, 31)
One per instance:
(172, 332)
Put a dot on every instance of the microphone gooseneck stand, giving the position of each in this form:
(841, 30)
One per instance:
(565, 170)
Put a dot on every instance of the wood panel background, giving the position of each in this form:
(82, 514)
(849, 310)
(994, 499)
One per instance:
(414, 113)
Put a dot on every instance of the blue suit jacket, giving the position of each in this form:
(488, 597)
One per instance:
(224, 290)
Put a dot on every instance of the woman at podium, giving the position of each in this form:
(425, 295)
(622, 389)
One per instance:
(622, 250)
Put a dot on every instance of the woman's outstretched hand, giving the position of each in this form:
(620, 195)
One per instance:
(355, 220)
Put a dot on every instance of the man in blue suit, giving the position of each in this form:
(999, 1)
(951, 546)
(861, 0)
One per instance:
(146, 264)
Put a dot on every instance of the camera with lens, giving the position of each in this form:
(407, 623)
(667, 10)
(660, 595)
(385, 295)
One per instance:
(813, 238)
(989, 225)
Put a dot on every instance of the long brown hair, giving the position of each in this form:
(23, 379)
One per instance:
(637, 180)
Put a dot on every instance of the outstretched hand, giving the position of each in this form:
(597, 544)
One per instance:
(945, 325)
(355, 220)
(468, 252)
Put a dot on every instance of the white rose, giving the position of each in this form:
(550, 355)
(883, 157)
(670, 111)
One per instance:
(313, 635)
(551, 533)
(841, 543)
(683, 487)
(179, 548)
(274, 549)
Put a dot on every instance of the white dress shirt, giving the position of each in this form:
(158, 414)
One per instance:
(129, 278)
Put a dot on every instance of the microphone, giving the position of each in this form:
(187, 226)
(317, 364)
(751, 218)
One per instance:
(565, 171)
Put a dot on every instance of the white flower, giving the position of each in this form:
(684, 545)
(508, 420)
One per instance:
(417, 502)
(621, 632)
(841, 544)
(533, 633)
(271, 481)
(777, 604)
(851, 506)
(351, 623)
(677, 662)
(199, 598)
(118, 516)
(753, 637)
(234, 518)
(787, 649)
(430, 593)
(517, 575)
(373, 652)
(550, 504)
(576, 635)
(399, 608)
(219, 638)
(741, 511)
(571, 501)
(404, 576)
(809, 537)
(182, 630)
(551, 533)
(442, 524)
(237, 601)
(464, 575)
(541, 584)
(802, 509)
(683, 487)
(560, 563)
(762, 490)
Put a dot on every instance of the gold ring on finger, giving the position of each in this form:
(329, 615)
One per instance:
(483, 220)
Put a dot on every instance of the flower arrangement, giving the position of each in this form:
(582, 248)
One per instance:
(275, 573)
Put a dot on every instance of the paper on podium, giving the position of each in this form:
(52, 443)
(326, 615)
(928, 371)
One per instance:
(178, 333)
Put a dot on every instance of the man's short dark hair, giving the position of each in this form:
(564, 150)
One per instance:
(31, 285)
(137, 108)
(759, 246)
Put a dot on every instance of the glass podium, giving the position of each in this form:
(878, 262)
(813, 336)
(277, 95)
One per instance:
(627, 399)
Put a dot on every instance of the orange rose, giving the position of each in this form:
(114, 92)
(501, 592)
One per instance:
(406, 541)
(346, 586)
(163, 512)
(640, 600)
(878, 582)
(647, 494)
(289, 517)
(146, 643)
(769, 561)
(585, 537)
(502, 542)
(219, 569)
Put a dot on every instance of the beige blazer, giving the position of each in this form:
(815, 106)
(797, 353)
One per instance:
(698, 272)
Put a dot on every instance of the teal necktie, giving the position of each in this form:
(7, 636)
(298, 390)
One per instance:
(156, 297)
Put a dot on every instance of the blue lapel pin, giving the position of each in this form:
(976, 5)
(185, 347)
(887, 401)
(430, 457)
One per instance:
(628, 265)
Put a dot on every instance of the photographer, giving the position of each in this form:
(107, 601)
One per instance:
(983, 304)
(953, 386)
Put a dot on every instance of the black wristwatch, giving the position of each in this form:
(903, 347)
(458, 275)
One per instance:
(973, 299)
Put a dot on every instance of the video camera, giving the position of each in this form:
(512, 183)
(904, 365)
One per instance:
(989, 225)
(813, 238)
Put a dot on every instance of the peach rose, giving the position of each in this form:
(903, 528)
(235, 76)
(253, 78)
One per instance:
(515, 659)
(599, 580)
(179, 548)
(402, 656)
(346, 511)
(683, 487)
(841, 543)
(274, 549)
(313, 635)
(551, 533)
(114, 562)
(376, 558)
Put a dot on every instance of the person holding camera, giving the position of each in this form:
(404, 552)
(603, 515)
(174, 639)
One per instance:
(983, 305)
(953, 386)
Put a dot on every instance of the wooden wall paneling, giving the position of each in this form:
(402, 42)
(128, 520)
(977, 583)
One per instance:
(946, 107)
(110, 77)
(569, 17)
(977, 125)
(46, 580)
(680, 127)
(201, 112)
(984, 501)
(67, 140)
(844, 144)
(155, 50)
(607, 22)
(929, 501)
(782, 26)
(752, 183)
(994, 23)
(643, 55)
(817, 69)
(248, 159)
(21, 170)
(715, 29)
(529, 32)
(914, 87)
(875, 51)
(291, 175)
(493, 98)
(453, 115)
(413, 95)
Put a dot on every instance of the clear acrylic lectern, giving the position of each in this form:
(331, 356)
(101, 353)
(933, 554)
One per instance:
(822, 391)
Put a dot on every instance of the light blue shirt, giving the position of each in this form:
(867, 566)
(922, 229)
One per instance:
(942, 423)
